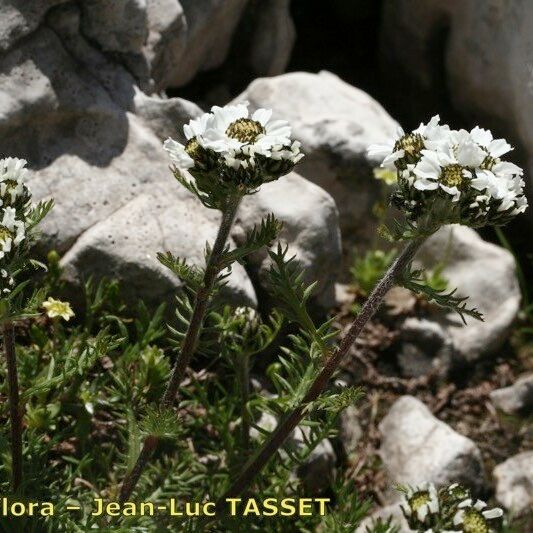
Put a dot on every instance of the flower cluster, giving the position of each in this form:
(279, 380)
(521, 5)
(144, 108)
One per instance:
(453, 176)
(14, 206)
(448, 510)
(228, 147)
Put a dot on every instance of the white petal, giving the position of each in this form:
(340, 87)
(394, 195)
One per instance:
(492, 513)
(262, 116)
(499, 147)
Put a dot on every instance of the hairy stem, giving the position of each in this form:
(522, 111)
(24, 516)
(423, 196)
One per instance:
(190, 341)
(292, 419)
(14, 405)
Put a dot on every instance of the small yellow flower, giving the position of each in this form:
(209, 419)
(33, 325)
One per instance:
(387, 176)
(55, 308)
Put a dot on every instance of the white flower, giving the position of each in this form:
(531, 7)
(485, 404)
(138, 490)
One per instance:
(241, 147)
(232, 127)
(194, 130)
(12, 231)
(421, 501)
(440, 169)
(472, 516)
(495, 147)
(435, 134)
(12, 176)
(178, 154)
(388, 152)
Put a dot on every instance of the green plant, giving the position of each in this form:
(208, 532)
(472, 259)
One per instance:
(368, 269)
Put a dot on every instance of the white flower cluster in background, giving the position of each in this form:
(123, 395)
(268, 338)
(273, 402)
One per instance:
(453, 175)
(230, 144)
(447, 510)
(14, 199)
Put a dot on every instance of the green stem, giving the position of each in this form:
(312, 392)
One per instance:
(190, 341)
(254, 466)
(14, 405)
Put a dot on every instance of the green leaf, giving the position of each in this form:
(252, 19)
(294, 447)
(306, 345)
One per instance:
(261, 235)
(189, 274)
(287, 285)
(414, 281)
(162, 423)
(38, 212)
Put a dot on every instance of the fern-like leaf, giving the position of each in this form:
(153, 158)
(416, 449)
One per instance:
(414, 281)
(261, 235)
(189, 274)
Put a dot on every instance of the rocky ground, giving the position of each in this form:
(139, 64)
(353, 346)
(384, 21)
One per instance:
(82, 98)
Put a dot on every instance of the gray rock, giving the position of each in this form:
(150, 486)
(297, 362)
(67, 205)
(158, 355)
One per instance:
(116, 25)
(210, 28)
(124, 246)
(417, 447)
(350, 431)
(516, 399)
(273, 38)
(318, 470)
(165, 117)
(311, 228)
(335, 123)
(482, 52)
(164, 47)
(19, 18)
(514, 483)
(425, 347)
(72, 113)
(486, 274)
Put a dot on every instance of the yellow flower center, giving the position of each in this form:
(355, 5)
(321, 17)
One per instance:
(473, 522)
(5, 234)
(193, 148)
(418, 499)
(412, 144)
(245, 130)
(452, 176)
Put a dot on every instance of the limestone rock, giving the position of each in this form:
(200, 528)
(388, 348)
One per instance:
(273, 37)
(486, 274)
(94, 143)
(417, 447)
(165, 117)
(514, 483)
(19, 18)
(516, 399)
(210, 28)
(350, 431)
(124, 246)
(311, 228)
(425, 347)
(116, 25)
(335, 123)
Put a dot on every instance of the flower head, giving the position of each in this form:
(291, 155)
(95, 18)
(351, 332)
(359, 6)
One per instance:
(453, 176)
(229, 147)
(473, 517)
(420, 505)
(13, 190)
(12, 231)
(56, 308)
